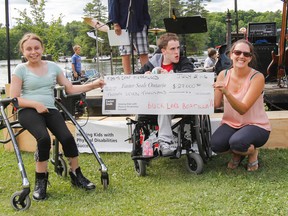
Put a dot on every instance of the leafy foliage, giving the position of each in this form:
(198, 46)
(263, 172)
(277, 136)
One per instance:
(59, 39)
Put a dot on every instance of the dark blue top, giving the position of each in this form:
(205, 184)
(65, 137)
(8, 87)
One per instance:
(139, 16)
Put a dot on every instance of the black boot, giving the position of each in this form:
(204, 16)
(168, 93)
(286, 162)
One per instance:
(80, 181)
(41, 180)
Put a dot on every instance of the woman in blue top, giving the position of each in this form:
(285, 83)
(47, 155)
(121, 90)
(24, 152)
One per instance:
(33, 85)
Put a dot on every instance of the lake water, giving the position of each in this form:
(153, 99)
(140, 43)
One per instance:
(104, 68)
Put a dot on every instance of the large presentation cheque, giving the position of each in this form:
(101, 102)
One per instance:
(177, 93)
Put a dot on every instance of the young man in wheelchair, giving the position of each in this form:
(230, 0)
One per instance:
(167, 61)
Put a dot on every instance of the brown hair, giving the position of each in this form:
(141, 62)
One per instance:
(29, 36)
(165, 38)
(211, 52)
(253, 62)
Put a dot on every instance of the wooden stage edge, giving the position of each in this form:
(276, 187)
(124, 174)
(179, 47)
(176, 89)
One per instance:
(279, 123)
(278, 120)
(278, 137)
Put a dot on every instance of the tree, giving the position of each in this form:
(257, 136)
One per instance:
(97, 10)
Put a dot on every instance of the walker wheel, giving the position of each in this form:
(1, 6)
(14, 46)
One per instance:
(105, 180)
(140, 167)
(194, 163)
(62, 167)
(105, 183)
(17, 205)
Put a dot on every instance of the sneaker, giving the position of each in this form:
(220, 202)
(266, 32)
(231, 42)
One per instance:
(80, 181)
(165, 149)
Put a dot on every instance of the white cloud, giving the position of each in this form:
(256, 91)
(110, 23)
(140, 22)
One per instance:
(70, 9)
(245, 5)
(73, 9)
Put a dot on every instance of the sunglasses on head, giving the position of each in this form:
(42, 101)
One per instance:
(238, 53)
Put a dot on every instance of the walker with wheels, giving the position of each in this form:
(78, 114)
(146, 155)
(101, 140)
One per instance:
(20, 200)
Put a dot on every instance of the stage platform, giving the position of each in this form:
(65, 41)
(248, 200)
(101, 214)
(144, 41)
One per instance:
(110, 134)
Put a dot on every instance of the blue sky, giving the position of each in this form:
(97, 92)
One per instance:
(73, 9)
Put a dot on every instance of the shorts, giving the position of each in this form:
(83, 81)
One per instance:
(140, 42)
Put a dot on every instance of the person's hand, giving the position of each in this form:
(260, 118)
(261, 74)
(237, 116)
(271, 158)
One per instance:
(99, 83)
(156, 70)
(163, 71)
(75, 74)
(220, 85)
(40, 108)
(117, 29)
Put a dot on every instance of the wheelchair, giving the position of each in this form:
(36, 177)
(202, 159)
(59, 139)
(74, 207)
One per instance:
(20, 200)
(192, 134)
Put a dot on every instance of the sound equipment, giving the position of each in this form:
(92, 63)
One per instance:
(185, 25)
(235, 37)
(262, 32)
(264, 57)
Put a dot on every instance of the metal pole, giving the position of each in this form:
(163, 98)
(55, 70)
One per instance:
(97, 50)
(236, 20)
(228, 34)
(169, 15)
(8, 40)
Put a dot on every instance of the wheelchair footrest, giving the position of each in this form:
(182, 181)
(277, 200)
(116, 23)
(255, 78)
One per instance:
(140, 157)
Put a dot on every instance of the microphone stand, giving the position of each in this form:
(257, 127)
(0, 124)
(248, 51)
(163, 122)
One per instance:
(111, 54)
(97, 47)
(129, 21)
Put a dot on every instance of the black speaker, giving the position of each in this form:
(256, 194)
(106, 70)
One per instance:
(262, 32)
(186, 25)
(264, 57)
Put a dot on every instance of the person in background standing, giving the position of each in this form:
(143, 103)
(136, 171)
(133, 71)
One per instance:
(136, 18)
(76, 63)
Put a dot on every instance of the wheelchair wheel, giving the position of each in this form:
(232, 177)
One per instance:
(17, 205)
(205, 130)
(198, 136)
(61, 169)
(194, 163)
(140, 167)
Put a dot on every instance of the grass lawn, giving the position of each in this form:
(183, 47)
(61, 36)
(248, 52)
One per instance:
(168, 188)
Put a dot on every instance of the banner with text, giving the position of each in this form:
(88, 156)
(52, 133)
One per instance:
(177, 93)
(106, 136)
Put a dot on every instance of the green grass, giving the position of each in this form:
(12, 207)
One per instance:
(168, 188)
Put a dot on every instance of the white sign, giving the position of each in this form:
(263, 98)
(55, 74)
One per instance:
(106, 136)
(177, 93)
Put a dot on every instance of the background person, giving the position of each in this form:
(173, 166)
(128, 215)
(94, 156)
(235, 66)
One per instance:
(210, 61)
(76, 63)
(138, 24)
(245, 126)
(168, 61)
(33, 85)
